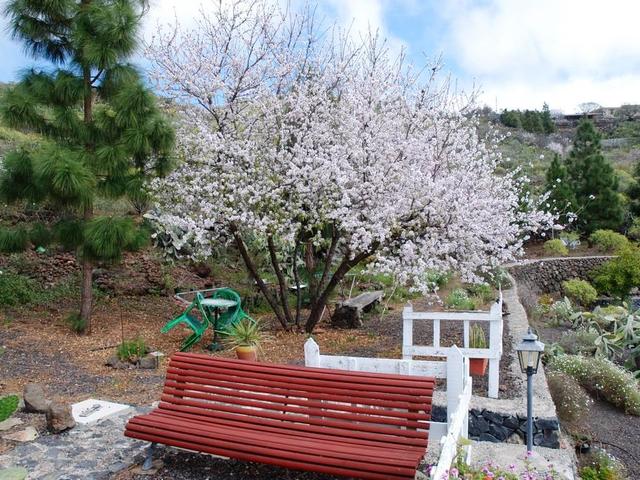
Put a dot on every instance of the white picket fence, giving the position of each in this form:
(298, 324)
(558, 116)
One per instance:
(455, 370)
(493, 352)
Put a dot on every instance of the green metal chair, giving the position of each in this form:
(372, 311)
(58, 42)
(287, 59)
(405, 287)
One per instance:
(232, 315)
(199, 327)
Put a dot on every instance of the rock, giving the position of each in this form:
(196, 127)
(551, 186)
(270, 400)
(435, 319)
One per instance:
(27, 435)
(547, 424)
(35, 400)
(478, 425)
(13, 474)
(515, 439)
(114, 362)
(59, 417)
(487, 437)
(149, 362)
(492, 417)
(9, 423)
(500, 432)
(511, 422)
(550, 439)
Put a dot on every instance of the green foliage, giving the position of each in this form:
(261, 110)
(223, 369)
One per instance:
(570, 239)
(593, 182)
(571, 400)
(510, 118)
(132, 350)
(579, 291)
(458, 299)
(438, 279)
(578, 342)
(497, 277)
(15, 289)
(483, 291)
(555, 247)
(530, 120)
(8, 405)
(620, 274)
(561, 199)
(634, 230)
(245, 333)
(40, 235)
(13, 240)
(477, 338)
(75, 322)
(602, 466)
(601, 377)
(560, 312)
(608, 241)
(103, 131)
(633, 192)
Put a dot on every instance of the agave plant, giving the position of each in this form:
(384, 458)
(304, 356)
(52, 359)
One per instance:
(8, 405)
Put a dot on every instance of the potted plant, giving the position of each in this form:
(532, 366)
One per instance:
(245, 337)
(477, 366)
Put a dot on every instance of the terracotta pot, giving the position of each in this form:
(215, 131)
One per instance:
(478, 366)
(247, 353)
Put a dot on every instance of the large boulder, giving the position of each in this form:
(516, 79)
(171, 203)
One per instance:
(35, 399)
(59, 417)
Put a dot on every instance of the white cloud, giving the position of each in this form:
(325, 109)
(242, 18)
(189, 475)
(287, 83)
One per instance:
(561, 51)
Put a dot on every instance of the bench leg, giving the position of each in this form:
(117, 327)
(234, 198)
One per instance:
(148, 459)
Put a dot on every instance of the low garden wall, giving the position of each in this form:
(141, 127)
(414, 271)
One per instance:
(547, 275)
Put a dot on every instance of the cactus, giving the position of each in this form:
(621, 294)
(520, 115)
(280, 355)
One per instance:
(8, 405)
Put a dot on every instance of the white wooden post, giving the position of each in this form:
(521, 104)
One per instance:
(455, 381)
(495, 344)
(311, 353)
(407, 332)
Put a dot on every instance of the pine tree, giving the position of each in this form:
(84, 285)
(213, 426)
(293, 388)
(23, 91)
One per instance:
(547, 121)
(561, 196)
(634, 192)
(103, 129)
(594, 182)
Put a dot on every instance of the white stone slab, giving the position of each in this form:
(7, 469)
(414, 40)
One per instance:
(91, 411)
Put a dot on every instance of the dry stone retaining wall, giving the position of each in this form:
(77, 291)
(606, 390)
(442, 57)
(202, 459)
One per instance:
(546, 275)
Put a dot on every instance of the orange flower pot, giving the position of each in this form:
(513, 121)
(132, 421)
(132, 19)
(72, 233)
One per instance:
(247, 353)
(478, 366)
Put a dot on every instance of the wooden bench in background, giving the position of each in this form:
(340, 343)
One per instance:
(354, 424)
(348, 313)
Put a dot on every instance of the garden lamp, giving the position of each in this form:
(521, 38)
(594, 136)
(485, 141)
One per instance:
(529, 353)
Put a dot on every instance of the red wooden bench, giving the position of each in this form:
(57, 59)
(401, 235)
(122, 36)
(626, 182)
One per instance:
(354, 424)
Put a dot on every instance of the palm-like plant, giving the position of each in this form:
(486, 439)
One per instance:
(245, 333)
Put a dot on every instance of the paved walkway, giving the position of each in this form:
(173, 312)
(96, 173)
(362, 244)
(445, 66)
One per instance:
(95, 452)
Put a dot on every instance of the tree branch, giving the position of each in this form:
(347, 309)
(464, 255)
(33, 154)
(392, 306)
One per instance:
(282, 281)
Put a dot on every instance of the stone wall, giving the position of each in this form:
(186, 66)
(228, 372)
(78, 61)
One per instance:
(547, 275)
(488, 426)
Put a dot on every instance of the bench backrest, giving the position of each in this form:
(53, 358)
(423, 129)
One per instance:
(358, 405)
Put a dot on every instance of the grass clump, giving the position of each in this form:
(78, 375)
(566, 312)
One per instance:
(76, 323)
(132, 350)
(603, 378)
(603, 466)
(555, 247)
(8, 405)
(13, 240)
(608, 241)
(15, 289)
(482, 291)
(459, 299)
(580, 291)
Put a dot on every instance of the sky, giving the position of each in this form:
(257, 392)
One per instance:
(517, 53)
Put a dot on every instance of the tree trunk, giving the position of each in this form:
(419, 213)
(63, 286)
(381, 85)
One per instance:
(86, 296)
(318, 306)
(253, 271)
(282, 283)
(296, 277)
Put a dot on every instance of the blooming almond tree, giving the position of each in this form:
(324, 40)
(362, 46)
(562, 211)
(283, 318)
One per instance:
(320, 153)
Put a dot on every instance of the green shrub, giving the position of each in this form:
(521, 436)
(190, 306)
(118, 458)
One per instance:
(13, 240)
(555, 247)
(40, 235)
(571, 400)
(8, 405)
(608, 240)
(560, 312)
(580, 291)
(602, 466)
(498, 278)
(603, 378)
(132, 350)
(69, 234)
(634, 230)
(620, 274)
(15, 289)
(437, 279)
(482, 291)
(76, 322)
(578, 342)
(458, 299)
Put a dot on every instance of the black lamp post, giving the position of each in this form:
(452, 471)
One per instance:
(529, 353)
